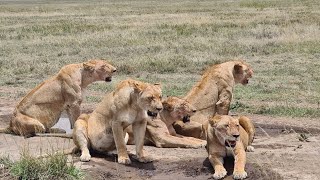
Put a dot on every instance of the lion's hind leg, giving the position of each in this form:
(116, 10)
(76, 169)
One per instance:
(26, 126)
(165, 140)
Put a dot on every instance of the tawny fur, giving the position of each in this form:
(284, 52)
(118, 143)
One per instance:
(221, 131)
(160, 131)
(129, 104)
(213, 94)
(41, 108)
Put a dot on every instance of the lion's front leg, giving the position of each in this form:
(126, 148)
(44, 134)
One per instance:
(80, 138)
(73, 112)
(139, 130)
(117, 130)
(217, 163)
(223, 104)
(239, 162)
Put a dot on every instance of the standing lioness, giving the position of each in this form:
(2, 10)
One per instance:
(228, 136)
(132, 102)
(41, 108)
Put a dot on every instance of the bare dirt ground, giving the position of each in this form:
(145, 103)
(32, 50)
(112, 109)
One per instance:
(279, 154)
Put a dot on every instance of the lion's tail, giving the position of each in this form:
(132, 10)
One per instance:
(248, 126)
(68, 136)
(6, 130)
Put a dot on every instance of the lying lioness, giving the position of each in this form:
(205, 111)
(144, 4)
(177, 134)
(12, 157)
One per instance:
(131, 103)
(213, 94)
(160, 131)
(228, 136)
(41, 108)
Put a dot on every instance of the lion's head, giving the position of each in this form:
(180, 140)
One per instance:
(100, 69)
(178, 108)
(226, 128)
(242, 72)
(149, 97)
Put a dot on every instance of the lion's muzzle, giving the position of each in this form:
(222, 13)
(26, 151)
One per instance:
(186, 119)
(152, 114)
(108, 79)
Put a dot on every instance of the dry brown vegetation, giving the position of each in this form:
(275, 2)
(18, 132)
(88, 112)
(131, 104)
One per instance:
(171, 42)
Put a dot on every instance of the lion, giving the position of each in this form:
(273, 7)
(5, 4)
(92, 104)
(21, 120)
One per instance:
(213, 94)
(131, 103)
(41, 108)
(160, 131)
(228, 136)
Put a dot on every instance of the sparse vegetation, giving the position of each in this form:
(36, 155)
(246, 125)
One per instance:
(171, 42)
(56, 166)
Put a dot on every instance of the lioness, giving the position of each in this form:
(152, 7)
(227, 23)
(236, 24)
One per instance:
(41, 108)
(160, 131)
(228, 136)
(131, 103)
(213, 94)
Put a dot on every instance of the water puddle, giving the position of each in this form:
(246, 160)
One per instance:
(64, 124)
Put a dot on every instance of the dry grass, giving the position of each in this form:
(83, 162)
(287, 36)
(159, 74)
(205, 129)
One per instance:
(170, 42)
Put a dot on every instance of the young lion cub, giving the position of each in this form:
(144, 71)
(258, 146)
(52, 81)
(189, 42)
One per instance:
(131, 103)
(41, 108)
(227, 136)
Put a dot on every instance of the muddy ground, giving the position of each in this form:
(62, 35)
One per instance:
(281, 152)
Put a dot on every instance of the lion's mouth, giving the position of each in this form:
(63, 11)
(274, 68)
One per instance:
(186, 119)
(246, 81)
(152, 114)
(229, 143)
(108, 79)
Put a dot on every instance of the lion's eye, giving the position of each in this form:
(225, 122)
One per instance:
(237, 125)
(160, 97)
(151, 98)
(226, 125)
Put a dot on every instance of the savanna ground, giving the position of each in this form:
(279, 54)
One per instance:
(172, 42)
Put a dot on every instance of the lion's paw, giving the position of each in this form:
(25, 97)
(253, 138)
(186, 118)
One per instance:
(144, 159)
(124, 160)
(85, 157)
(239, 175)
(220, 174)
(250, 149)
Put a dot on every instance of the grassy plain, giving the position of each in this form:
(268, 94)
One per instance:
(170, 42)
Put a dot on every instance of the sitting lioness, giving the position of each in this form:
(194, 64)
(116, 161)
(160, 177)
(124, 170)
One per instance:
(131, 103)
(213, 94)
(41, 108)
(160, 131)
(228, 136)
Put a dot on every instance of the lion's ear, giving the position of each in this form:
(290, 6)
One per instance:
(214, 120)
(89, 66)
(238, 68)
(167, 106)
(138, 87)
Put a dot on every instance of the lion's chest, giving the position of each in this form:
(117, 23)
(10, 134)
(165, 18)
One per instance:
(128, 116)
(229, 151)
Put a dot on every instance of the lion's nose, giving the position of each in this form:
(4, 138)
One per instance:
(236, 135)
(159, 108)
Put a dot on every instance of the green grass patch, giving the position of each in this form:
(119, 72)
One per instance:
(287, 111)
(28, 167)
(284, 111)
(93, 99)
